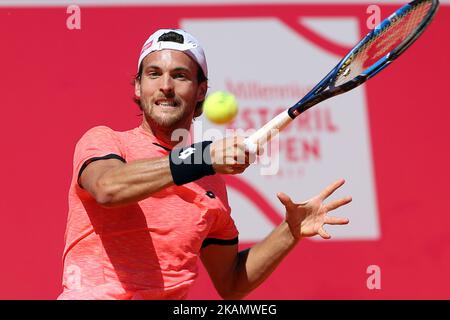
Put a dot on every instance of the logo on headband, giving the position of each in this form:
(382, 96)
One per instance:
(146, 46)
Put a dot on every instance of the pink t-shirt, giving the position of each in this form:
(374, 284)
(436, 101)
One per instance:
(146, 250)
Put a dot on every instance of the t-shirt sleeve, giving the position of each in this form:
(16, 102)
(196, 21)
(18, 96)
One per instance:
(224, 229)
(97, 143)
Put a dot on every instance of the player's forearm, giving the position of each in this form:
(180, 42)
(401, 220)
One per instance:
(133, 181)
(256, 264)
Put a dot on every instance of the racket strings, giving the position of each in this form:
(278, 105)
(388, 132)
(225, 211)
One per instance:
(399, 31)
(385, 41)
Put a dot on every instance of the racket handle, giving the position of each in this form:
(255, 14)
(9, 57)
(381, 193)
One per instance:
(267, 132)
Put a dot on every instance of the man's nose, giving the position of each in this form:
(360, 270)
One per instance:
(166, 85)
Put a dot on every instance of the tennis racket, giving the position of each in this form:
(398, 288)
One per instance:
(372, 54)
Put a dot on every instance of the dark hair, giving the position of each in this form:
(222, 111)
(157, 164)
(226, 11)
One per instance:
(172, 37)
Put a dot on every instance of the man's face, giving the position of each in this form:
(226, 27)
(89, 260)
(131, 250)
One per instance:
(168, 89)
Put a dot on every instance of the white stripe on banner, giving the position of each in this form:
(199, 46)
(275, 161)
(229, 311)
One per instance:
(39, 3)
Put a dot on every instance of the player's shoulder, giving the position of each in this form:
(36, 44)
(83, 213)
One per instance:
(99, 132)
(98, 135)
(101, 129)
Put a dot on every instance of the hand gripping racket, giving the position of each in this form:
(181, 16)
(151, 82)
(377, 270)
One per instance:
(372, 54)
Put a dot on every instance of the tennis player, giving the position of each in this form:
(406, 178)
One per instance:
(143, 210)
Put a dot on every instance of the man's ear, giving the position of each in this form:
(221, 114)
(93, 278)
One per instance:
(137, 88)
(201, 92)
(198, 109)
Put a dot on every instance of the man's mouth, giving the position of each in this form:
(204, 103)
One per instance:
(170, 103)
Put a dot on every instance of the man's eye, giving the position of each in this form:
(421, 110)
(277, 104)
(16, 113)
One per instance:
(153, 74)
(180, 76)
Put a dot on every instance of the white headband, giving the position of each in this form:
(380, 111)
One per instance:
(190, 46)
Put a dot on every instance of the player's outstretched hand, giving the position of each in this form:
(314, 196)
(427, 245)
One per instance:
(307, 219)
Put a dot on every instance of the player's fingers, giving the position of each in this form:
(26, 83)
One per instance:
(323, 233)
(337, 203)
(331, 188)
(240, 167)
(238, 171)
(260, 150)
(241, 158)
(336, 221)
(250, 146)
(247, 150)
(251, 158)
(247, 158)
(285, 200)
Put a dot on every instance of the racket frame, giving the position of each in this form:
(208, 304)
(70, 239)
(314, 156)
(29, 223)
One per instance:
(325, 88)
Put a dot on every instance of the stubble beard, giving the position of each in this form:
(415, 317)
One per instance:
(166, 120)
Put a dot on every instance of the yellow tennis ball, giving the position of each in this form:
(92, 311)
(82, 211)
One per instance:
(220, 107)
